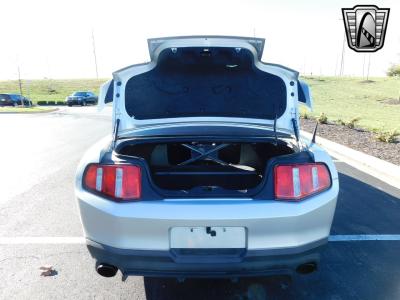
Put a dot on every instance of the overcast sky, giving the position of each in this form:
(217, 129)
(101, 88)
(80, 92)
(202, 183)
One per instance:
(52, 39)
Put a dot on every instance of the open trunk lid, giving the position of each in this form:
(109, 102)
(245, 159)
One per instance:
(205, 80)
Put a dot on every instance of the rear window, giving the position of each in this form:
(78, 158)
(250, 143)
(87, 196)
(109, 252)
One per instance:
(79, 94)
(15, 97)
(4, 97)
(205, 82)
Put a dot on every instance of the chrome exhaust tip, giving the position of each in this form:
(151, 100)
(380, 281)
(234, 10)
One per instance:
(106, 270)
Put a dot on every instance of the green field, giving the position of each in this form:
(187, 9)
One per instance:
(348, 98)
(51, 90)
(339, 98)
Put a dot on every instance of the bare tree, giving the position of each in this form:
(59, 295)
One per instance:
(342, 58)
(369, 64)
(20, 86)
(363, 66)
(94, 54)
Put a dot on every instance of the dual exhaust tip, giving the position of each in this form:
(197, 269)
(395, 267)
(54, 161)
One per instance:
(306, 268)
(107, 270)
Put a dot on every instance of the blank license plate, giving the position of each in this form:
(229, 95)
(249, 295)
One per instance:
(207, 237)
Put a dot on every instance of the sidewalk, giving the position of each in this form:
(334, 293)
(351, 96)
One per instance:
(383, 170)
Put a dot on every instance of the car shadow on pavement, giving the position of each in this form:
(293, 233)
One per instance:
(246, 288)
(356, 269)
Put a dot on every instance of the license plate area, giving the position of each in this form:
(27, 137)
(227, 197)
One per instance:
(208, 244)
(210, 237)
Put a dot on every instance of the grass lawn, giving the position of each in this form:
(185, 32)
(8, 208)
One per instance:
(51, 90)
(339, 98)
(34, 109)
(348, 98)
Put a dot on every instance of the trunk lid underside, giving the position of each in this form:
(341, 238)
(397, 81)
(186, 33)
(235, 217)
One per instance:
(202, 82)
(205, 79)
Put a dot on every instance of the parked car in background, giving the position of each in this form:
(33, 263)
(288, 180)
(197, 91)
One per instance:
(14, 100)
(206, 174)
(81, 98)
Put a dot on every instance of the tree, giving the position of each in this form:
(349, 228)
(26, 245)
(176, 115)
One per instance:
(394, 70)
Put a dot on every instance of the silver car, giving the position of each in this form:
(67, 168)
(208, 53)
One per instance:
(205, 173)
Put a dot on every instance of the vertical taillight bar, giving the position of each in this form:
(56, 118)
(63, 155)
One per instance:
(115, 181)
(297, 181)
(99, 179)
(119, 176)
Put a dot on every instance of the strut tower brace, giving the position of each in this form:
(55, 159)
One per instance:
(204, 152)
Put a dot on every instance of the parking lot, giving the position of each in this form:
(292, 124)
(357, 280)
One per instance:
(39, 225)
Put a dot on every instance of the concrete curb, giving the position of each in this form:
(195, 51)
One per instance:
(381, 169)
(28, 112)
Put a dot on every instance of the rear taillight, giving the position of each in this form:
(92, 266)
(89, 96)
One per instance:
(115, 181)
(297, 181)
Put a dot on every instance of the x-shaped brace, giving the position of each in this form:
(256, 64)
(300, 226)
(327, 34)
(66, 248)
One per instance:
(204, 154)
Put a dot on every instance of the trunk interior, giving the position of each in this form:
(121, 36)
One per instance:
(186, 165)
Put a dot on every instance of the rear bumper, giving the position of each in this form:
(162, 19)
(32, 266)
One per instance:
(147, 224)
(74, 102)
(239, 263)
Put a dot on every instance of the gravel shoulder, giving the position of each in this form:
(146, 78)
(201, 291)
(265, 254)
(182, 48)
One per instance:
(357, 139)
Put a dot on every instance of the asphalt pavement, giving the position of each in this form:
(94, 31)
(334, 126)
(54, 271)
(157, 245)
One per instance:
(39, 154)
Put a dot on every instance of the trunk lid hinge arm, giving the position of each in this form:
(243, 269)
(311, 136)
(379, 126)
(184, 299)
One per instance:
(115, 134)
(275, 135)
(296, 127)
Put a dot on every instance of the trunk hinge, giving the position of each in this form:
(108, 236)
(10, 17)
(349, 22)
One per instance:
(275, 135)
(295, 125)
(115, 134)
(295, 128)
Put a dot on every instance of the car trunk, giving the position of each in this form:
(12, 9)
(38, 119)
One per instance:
(207, 165)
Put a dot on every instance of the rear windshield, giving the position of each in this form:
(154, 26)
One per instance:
(4, 97)
(205, 82)
(15, 97)
(79, 94)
